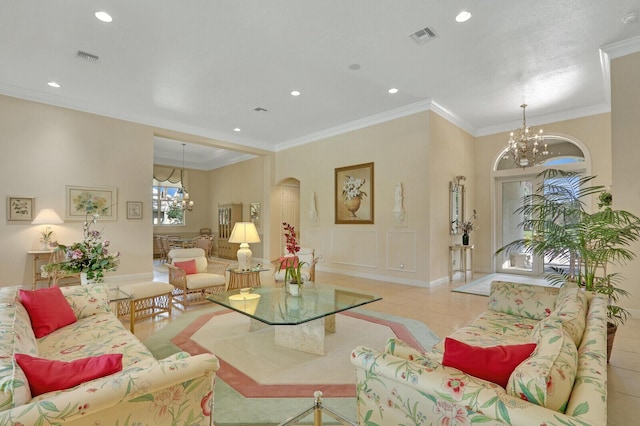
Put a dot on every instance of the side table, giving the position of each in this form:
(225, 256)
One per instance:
(40, 257)
(463, 265)
(243, 279)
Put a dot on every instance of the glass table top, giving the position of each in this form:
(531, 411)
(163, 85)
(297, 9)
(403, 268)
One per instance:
(274, 306)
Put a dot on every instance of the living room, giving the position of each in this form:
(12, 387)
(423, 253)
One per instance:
(48, 147)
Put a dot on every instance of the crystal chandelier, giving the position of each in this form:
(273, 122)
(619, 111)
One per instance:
(183, 203)
(525, 145)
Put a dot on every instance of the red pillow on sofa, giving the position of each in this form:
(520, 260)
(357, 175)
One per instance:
(48, 310)
(45, 375)
(494, 363)
(189, 266)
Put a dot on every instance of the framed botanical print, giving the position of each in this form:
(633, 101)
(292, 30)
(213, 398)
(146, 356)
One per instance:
(83, 200)
(20, 209)
(354, 194)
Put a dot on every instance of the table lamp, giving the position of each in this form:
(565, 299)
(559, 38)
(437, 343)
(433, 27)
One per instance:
(46, 217)
(244, 233)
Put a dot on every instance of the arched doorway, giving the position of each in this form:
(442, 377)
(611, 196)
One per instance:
(511, 183)
(289, 208)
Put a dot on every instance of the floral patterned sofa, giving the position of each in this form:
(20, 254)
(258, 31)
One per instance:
(562, 382)
(175, 390)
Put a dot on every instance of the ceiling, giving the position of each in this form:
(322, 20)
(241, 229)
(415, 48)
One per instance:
(202, 67)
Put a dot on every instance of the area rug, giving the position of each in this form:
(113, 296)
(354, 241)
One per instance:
(261, 383)
(482, 285)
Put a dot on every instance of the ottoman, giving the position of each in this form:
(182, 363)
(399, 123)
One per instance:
(147, 299)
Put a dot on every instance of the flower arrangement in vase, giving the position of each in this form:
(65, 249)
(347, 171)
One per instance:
(90, 256)
(293, 268)
(467, 227)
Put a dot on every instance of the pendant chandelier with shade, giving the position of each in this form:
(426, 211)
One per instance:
(526, 147)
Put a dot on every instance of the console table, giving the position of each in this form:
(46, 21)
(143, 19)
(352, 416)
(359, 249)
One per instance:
(40, 257)
(461, 253)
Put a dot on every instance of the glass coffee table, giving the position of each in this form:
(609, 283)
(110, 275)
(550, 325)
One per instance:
(301, 321)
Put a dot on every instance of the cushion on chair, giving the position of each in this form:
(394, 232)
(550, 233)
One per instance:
(197, 254)
(45, 375)
(571, 310)
(204, 280)
(188, 266)
(48, 310)
(494, 363)
(546, 378)
(87, 300)
(523, 300)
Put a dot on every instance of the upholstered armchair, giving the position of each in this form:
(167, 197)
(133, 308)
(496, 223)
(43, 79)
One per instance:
(308, 271)
(193, 276)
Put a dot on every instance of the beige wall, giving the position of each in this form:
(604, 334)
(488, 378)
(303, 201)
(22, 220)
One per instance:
(399, 150)
(243, 183)
(625, 124)
(45, 148)
(451, 154)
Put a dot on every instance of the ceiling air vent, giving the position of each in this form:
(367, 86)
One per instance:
(423, 35)
(86, 56)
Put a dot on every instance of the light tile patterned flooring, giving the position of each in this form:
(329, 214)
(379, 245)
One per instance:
(444, 311)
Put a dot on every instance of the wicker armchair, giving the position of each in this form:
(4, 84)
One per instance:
(189, 288)
(306, 255)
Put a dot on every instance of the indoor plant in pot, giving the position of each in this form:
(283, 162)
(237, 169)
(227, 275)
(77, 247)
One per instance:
(293, 277)
(565, 230)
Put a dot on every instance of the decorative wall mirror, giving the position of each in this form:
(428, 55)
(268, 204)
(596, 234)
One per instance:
(456, 204)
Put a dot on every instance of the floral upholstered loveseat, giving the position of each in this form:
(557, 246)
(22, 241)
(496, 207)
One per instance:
(175, 390)
(562, 382)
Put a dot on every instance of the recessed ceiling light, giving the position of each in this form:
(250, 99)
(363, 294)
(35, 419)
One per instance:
(463, 16)
(237, 129)
(393, 90)
(103, 16)
(53, 84)
(295, 93)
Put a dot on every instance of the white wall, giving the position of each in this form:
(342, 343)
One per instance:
(45, 148)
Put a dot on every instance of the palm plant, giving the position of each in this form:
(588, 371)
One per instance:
(563, 230)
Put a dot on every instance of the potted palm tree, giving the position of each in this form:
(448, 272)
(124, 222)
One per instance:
(564, 230)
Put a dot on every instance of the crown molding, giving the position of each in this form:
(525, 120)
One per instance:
(357, 124)
(622, 48)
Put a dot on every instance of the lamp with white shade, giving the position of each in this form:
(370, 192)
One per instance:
(46, 217)
(244, 233)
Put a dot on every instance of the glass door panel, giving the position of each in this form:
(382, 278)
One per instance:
(509, 199)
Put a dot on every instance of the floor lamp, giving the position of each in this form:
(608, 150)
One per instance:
(244, 233)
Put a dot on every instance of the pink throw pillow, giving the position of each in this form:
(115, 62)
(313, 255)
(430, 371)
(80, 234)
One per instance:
(48, 310)
(45, 375)
(494, 364)
(188, 266)
(286, 261)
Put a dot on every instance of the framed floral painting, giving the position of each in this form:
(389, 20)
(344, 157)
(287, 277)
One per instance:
(354, 194)
(83, 200)
(20, 209)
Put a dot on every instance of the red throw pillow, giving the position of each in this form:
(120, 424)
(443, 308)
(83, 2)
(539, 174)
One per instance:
(286, 261)
(48, 310)
(45, 375)
(188, 266)
(495, 363)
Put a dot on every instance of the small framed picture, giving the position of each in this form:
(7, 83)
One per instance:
(20, 209)
(134, 209)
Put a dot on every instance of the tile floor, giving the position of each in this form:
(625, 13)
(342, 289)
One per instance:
(443, 311)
